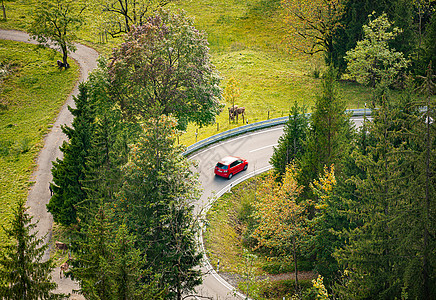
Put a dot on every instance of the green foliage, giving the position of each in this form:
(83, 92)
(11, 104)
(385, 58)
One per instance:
(164, 67)
(290, 144)
(330, 131)
(55, 22)
(156, 201)
(391, 211)
(69, 172)
(24, 274)
(372, 61)
(107, 265)
(278, 288)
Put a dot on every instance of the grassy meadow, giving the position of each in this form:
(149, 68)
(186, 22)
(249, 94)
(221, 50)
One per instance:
(32, 90)
(247, 41)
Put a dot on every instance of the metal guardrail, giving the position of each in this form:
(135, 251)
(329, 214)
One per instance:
(253, 127)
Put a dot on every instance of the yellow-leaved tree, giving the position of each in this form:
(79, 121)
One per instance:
(281, 220)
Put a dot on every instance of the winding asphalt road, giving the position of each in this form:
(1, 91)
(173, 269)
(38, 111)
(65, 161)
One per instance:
(256, 147)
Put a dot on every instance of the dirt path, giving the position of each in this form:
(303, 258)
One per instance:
(39, 194)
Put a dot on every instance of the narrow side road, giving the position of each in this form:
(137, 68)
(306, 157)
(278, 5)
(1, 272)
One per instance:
(39, 194)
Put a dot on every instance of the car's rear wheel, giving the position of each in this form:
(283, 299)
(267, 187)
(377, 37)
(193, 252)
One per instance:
(230, 176)
(245, 167)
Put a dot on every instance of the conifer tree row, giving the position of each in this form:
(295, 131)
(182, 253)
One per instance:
(24, 273)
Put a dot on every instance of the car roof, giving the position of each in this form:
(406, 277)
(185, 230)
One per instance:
(228, 159)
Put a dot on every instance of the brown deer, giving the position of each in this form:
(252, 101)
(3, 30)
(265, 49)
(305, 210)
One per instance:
(240, 111)
(232, 112)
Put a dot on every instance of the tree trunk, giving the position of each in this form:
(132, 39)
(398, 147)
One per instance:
(65, 56)
(427, 211)
(4, 11)
(295, 265)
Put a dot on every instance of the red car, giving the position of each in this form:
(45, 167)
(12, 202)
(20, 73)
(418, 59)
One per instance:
(230, 165)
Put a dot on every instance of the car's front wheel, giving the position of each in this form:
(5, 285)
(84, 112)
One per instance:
(230, 176)
(245, 167)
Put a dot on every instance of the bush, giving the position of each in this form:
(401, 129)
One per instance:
(281, 288)
(279, 267)
(4, 148)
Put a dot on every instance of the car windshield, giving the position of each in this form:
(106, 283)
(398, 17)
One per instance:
(221, 166)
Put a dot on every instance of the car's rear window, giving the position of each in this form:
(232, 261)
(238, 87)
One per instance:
(221, 166)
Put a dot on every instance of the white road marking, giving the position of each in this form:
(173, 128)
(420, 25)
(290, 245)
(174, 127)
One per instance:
(263, 148)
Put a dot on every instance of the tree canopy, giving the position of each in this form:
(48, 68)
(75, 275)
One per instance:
(56, 22)
(372, 60)
(24, 274)
(163, 67)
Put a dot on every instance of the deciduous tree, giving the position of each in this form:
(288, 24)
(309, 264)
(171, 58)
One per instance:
(122, 15)
(313, 24)
(281, 221)
(163, 67)
(55, 22)
(372, 60)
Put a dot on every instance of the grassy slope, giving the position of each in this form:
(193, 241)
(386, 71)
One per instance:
(246, 39)
(34, 93)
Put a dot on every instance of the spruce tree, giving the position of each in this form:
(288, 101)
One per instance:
(25, 275)
(93, 258)
(329, 135)
(69, 172)
(371, 253)
(290, 144)
(416, 222)
(157, 199)
(108, 149)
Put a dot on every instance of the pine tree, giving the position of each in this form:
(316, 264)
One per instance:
(91, 266)
(290, 144)
(108, 149)
(330, 131)
(24, 273)
(370, 255)
(157, 201)
(416, 222)
(69, 172)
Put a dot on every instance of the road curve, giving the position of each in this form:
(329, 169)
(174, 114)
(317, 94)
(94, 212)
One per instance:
(39, 194)
(256, 147)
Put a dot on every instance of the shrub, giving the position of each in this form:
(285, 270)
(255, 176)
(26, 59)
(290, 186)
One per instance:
(281, 288)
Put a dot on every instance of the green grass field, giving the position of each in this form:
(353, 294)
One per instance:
(31, 95)
(247, 42)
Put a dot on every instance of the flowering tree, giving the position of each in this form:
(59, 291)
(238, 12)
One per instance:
(163, 67)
